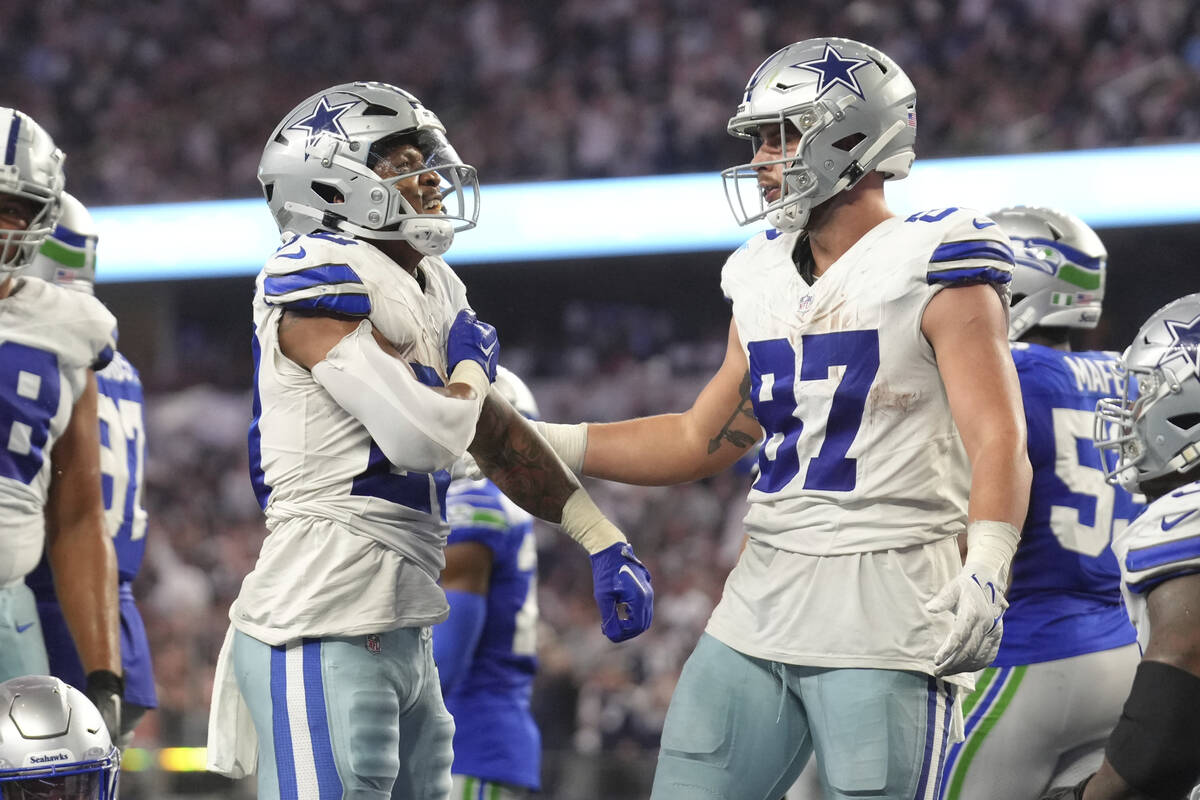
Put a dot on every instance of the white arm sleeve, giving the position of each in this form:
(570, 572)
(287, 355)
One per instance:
(416, 428)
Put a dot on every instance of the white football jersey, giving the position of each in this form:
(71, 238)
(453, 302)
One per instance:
(49, 338)
(1160, 544)
(860, 450)
(311, 460)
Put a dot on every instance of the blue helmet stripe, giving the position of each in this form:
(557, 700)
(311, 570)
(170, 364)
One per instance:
(70, 237)
(14, 131)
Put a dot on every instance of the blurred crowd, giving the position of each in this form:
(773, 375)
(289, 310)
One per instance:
(173, 100)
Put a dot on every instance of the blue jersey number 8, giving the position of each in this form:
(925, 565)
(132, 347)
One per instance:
(29, 394)
(773, 365)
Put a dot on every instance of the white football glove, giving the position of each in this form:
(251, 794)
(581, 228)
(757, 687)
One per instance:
(976, 598)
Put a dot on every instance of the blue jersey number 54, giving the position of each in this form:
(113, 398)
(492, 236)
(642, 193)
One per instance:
(773, 387)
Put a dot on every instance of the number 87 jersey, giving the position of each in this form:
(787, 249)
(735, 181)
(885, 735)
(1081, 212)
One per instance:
(860, 452)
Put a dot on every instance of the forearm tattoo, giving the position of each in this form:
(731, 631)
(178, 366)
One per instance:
(727, 433)
(517, 460)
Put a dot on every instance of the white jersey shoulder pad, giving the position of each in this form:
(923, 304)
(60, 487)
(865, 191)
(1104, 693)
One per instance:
(1164, 541)
(321, 272)
(967, 247)
(76, 326)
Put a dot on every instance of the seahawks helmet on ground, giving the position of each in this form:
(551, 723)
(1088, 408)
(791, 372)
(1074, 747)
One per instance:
(854, 110)
(317, 169)
(68, 255)
(1060, 269)
(1154, 427)
(32, 169)
(53, 743)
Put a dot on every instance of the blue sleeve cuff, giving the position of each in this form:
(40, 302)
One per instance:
(455, 640)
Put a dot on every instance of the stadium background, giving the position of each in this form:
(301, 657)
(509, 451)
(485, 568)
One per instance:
(171, 101)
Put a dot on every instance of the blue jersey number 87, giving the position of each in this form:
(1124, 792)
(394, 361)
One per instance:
(773, 387)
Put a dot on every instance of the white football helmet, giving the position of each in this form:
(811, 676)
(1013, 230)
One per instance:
(53, 743)
(68, 255)
(855, 111)
(1060, 271)
(1154, 427)
(32, 169)
(317, 175)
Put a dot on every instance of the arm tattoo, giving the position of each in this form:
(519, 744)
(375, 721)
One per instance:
(518, 460)
(727, 433)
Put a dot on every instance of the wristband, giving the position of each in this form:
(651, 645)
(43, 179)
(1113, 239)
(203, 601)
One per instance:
(471, 373)
(103, 681)
(568, 441)
(584, 522)
(990, 547)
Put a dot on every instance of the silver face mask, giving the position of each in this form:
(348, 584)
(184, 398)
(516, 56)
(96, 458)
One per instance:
(1153, 428)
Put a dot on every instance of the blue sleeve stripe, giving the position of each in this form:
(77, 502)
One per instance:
(326, 274)
(1143, 586)
(969, 275)
(350, 305)
(1166, 553)
(975, 248)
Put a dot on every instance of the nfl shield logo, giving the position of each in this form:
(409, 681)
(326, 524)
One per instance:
(373, 643)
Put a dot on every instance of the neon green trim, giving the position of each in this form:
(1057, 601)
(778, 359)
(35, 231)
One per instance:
(67, 256)
(491, 519)
(1075, 276)
(993, 714)
(989, 675)
(494, 792)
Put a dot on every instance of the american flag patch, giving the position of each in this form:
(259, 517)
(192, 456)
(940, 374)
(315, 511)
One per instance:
(912, 116)
(373, 643)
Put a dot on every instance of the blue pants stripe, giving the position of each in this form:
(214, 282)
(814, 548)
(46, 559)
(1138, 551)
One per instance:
(285, 766)
(941, 771)
(328, 783)
(930, 730)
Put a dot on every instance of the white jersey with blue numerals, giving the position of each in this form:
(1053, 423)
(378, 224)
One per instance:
(860, 451)
(1065, 596)
(356, 541)
(49, 338)
(495, 736)
(1161, 544)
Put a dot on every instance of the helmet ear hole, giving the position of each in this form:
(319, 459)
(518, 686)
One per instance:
(329, 194)
(1185, 422)
(268, 191)
(848, 143)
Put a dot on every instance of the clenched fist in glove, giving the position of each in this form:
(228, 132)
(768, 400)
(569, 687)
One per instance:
(624, 596)
(976, 599)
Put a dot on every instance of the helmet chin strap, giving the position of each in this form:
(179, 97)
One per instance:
(429, 235)
(794, 217)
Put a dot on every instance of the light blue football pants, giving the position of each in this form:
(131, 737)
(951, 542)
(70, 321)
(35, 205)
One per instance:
(742, 728)
(22, 647)
(358, 717)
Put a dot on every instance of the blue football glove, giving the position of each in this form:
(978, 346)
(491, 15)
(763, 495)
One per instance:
(471, 339)
(623, 593)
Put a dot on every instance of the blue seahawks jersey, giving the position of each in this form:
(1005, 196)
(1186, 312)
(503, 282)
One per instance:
(1065, 597)
(122, 465)
(495, 737)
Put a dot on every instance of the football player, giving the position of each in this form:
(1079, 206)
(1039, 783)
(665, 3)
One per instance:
(372, 377)
(869, 353)
(1153, 429)
(68, 259)
(486, 650)
(51, 341)
(1042, 712)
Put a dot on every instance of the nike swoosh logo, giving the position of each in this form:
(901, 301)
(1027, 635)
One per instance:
(975, 222)
(1167, 524)
(25, 627)
(487, 351)
(627, 571)
(1186, 492)
(298, 254)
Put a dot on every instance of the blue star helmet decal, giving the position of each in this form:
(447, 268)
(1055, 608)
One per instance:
(324, 120)
(835, 71)
(1186, 336)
